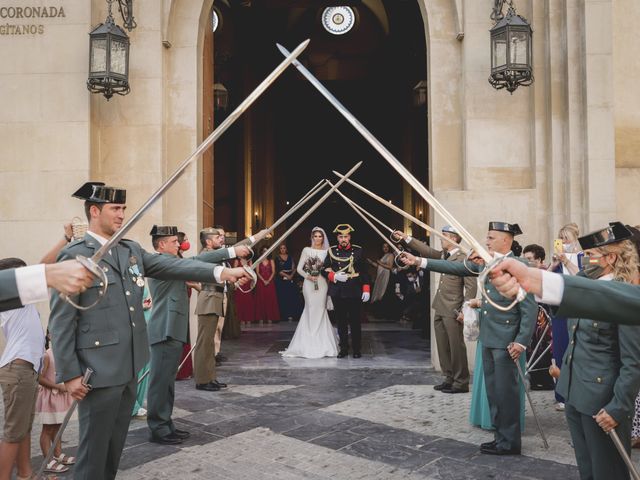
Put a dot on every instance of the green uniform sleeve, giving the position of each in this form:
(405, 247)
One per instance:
(622, 405)
(470, 287)
(9, 296)
(423, 249)
(528, 318)
(212, 256)
(165, 267)
(614, 302)
(452, 268)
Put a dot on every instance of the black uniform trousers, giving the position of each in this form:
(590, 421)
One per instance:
(347, 315)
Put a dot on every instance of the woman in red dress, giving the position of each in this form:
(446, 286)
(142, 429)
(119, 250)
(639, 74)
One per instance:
(266, 297)
(245, 302)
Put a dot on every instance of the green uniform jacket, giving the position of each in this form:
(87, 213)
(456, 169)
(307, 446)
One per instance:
(601, 368)
(9, 296)
(614, 302)
(498, 328)
(170, 311)
(453, 290)
(111, 337)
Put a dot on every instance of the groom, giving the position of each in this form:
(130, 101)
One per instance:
(348, 287)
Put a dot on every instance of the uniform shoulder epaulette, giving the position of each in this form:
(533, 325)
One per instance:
(356, 246)
(75, 242)
(333, 246)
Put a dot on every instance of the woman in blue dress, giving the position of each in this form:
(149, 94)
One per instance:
(286, 289)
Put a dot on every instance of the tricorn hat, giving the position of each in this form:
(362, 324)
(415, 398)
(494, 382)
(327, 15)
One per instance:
(98, 192)
(343, 229)
(163, 231)
(512, 228)
(615, 232)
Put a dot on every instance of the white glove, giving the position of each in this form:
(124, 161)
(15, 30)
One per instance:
(340, 277)
(365, 296)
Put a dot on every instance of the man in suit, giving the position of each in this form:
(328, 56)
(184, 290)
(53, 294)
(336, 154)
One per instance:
(167, 331)
(349, 287)
(504, 336)
(452, 292)
(110, 338)
(25, 285)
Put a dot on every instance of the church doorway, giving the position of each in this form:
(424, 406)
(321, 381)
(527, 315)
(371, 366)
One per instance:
(292, 137)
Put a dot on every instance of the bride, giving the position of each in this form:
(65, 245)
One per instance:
(314, 337)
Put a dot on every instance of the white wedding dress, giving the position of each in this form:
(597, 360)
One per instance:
(314, 337)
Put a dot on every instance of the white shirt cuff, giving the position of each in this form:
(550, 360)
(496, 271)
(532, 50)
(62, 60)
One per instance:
(32, 284)
(408, 239)
(217, 272)
(252, 239)
(232, 252)
(423, 263)
(552, 288)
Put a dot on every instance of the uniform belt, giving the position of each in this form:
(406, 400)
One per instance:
(213, 288)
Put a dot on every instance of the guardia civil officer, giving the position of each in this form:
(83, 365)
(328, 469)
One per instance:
(167, 329)
(349, 287)
(453, 291)
(110, 338)
(503, 336)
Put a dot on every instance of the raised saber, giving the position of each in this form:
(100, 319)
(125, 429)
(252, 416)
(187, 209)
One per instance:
(359, 210)
(623, 453)
(401, 212)
(413, 181)
(319, 202)
(92, 263)
(85, 381)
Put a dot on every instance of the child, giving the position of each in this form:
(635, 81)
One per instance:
(52, 406)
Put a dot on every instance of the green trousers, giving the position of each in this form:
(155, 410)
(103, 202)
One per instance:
(165, 358)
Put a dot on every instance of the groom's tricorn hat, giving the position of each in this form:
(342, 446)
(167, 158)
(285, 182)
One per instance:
(98, 192)
(163, 231)
(343, 229)
(615, 232)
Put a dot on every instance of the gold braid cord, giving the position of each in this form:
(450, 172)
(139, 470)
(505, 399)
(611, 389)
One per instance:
(348, 269)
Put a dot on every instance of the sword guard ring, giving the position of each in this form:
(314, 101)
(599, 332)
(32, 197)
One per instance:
(98, 272)
(398, 263)
(521, 295)
(252, 284)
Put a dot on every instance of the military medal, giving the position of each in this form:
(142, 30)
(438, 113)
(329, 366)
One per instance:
(135, 272)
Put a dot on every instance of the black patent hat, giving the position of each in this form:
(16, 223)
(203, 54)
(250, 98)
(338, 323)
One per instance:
(163, 231)
(98, 192)
(512, 228)
(615, 232)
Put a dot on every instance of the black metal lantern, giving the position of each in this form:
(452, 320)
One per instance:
(220, 97)
(108, 59)
(511, 57)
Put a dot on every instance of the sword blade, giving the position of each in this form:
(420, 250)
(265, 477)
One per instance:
(253, 96)
(359, 210)
(533, 409)
(393, 161)
(305, 198)
(623, 453)
(303, 217)
(401, 212)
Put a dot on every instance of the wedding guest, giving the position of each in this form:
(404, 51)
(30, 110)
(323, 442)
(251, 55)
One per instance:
(383, 298)
(266, 299)
(245, 301)
(288, 294)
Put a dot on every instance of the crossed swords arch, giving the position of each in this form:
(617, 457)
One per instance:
(290, 58)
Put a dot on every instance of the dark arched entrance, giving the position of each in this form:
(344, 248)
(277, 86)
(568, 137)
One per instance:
(291, 138)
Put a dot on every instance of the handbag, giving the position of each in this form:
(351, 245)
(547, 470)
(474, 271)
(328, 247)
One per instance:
(471, 329)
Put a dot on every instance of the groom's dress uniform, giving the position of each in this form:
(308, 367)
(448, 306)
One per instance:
(347, 296)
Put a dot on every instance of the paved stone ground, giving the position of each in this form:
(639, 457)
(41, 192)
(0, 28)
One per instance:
(374, 418)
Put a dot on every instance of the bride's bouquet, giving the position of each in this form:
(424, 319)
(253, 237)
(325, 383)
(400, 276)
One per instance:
(313, 266)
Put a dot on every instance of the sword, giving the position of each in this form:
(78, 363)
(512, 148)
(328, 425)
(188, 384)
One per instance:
(85, 379)
(413, 181)
(623, 453)
(92, 263)
(319, 202)
(361, 211)
(401, 212)
(533, 409)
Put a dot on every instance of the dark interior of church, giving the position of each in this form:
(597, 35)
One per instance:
(292, 137)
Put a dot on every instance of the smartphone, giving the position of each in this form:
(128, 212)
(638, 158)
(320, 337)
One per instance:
(558, 246)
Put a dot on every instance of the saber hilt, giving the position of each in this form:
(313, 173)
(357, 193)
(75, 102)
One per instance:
(521, 295)
(98, 272)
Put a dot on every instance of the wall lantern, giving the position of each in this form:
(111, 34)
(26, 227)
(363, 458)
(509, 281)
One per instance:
(420, 94)
(220, 97)
(511, 58)
(108, 59)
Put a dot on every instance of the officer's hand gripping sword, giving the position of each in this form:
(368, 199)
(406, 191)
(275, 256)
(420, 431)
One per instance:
(91, 264)
(417, 186)
(320, 201)
(85, 381)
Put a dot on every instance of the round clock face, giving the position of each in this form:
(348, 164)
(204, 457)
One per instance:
(338, 20)
(215, 20)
